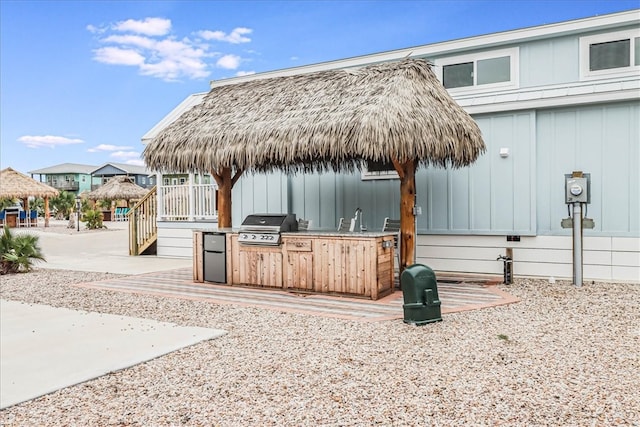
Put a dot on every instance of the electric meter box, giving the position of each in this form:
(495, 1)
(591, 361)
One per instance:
(577, 189)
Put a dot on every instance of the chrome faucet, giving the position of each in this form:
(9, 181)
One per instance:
(358, 217)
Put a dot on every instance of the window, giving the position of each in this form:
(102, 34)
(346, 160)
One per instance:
(165, 181)
(378, 170)
(611, 54)
(182, 181)
(143, 180)
(488, 70)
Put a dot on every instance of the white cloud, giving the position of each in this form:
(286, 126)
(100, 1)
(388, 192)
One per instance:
(118, 56)
(149, 46)
(229, 62)
(51, 141)
(149, 26)
(123, 155)
(108, 147)
(131, 40)
(236, 36)
(244, 73)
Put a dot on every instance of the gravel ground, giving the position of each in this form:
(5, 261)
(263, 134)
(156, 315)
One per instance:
(562, 356)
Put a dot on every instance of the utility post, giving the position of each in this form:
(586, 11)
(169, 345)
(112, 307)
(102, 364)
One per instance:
(577, 190)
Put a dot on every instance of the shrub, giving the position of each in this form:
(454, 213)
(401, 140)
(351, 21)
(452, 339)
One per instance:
(63, 204)
(18, 252)
(93, 219)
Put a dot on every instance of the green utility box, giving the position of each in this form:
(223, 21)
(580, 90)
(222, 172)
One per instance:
(420, 292)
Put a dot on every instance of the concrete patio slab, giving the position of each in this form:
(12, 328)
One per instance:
(45, 348)
(96, 250)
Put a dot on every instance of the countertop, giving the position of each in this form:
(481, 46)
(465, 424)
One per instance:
(310, 233)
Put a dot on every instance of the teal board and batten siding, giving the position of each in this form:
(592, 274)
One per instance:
(259, 193)
(495, 194)
(603, 140)
(549, 61)
(325, 198)
(468, 212)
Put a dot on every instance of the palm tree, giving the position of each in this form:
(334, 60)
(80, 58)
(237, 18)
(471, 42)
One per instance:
(63, 204)
(6, 203)
(37, 204)
(18, 252)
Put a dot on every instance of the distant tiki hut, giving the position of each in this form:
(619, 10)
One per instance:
(118, 188)
(16, 185)
(396, 113)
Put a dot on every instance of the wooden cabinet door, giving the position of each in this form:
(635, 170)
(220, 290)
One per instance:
(299, 267)
(298, 263)
(259, 268)
(346, 266)
(329, 265)
(360, 267)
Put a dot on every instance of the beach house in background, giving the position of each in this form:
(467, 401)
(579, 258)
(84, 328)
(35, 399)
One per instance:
(549, 100)
(76, 178)
(70, 177)
(141, 176)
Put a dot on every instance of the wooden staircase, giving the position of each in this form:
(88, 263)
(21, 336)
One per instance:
(143, 229)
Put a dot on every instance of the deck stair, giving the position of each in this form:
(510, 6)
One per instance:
(143, 228)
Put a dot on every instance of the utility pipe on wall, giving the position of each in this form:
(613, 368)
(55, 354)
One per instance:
(577, 244)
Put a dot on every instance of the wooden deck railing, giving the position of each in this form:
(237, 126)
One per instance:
(143, 230)
(187, 202)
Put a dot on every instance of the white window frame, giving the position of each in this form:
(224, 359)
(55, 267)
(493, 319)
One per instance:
(366, 175)
(514, 65)
(585, 42)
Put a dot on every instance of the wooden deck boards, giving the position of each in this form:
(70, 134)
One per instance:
(454, 297)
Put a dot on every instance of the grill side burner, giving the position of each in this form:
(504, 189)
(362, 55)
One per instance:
(265, 229)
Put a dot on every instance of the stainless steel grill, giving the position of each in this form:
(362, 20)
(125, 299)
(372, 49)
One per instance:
(265, 229)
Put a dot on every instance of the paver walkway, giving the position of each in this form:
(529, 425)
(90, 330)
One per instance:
(179, 283)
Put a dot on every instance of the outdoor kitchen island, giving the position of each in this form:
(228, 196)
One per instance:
(328, 262)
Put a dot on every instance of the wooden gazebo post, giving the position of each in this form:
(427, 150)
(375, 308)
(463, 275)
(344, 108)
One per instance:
(47, 214)
(407, 173)
(225, 184)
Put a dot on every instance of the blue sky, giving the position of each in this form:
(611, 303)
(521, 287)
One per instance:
(82, 81)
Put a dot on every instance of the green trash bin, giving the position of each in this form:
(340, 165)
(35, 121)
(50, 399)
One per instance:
(420, 292)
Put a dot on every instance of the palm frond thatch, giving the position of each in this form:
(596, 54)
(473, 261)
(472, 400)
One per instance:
(118, 188)
(328, 120)
(16, 185)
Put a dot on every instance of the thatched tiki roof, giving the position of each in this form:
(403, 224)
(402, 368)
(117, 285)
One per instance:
(118, 188)
(16, 185)
(322, 120)
(396, 112)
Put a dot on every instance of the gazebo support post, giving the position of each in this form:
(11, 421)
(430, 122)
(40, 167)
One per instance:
(407, 173)
(225, 184)
(47, 214)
